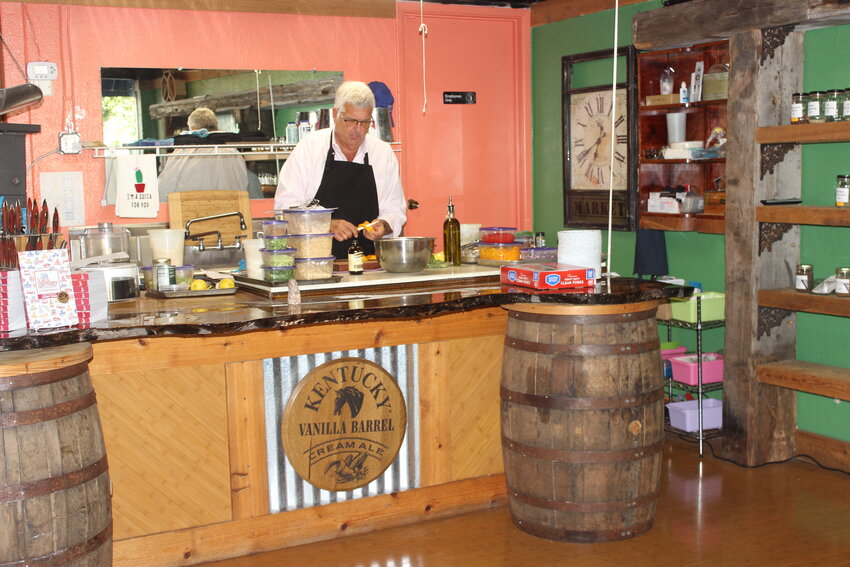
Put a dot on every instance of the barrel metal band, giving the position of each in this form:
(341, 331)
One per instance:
(582, 319)
(577, 536)
(46, 414)
(52, 484)
(41, 378)
(566, 456)
(585, 506)
(583, 350)
(565, 402)
(67, 555)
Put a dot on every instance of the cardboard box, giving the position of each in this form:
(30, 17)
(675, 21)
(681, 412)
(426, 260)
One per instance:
(548, 276)
(655, 100)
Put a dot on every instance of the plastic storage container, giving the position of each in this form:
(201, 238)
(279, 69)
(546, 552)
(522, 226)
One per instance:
(713, 307)
(184, 274)
(314, 268)
(311, 245)
(685, 415)
(544, 254)
(685, 368)
(497, 234)
(503, 252)
(308, 221)
(276, 242)
(278, 273)
(274, 227)
(278, 258)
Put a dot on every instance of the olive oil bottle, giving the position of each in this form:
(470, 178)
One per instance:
(451, 237)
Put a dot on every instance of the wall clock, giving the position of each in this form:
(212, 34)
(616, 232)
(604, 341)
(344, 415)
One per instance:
(589, 135)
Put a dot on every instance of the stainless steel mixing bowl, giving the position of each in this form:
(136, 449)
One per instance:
(404, 254)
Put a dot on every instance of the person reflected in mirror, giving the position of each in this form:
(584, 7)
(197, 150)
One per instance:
(347, 168)
(185, 170)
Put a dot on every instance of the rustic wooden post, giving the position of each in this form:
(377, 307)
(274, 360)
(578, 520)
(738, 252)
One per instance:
(766, 67)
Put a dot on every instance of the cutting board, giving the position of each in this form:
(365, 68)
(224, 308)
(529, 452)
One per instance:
(186, 205)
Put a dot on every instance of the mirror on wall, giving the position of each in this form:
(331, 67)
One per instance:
(146, 106)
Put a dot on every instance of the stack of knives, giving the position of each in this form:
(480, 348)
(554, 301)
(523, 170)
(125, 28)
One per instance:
(30, 235)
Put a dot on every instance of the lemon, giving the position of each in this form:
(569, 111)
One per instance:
(226, 283)
(198, 285)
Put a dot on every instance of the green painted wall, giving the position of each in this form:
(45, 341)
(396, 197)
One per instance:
(821, 338)
(694, 256)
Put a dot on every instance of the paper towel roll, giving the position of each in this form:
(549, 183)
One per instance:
(581, 248)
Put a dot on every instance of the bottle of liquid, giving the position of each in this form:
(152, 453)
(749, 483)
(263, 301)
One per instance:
(451, 237)
(355, 259)
(683, 93)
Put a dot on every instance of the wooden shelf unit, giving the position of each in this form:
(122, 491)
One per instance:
(792, 300)
(825, 132)
(810, 377)
(702, 117)
(801, 214)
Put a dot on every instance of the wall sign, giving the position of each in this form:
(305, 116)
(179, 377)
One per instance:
(459, 97)
(344, 424)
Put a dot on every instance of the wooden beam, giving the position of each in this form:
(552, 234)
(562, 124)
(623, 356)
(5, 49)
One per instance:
(556, 10)
(818, 379)
(315, 91)
(700, 21)
(798, 214)
(352, 8)
(275, 531)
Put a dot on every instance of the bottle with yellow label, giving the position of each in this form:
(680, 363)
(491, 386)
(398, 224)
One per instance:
(842, 191)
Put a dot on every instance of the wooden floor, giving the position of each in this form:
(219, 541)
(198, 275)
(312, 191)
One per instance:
(709, 513)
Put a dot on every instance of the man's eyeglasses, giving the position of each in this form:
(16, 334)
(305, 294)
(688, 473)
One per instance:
(353, 122)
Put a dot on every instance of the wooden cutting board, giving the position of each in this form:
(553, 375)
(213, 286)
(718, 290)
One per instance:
(186, 205)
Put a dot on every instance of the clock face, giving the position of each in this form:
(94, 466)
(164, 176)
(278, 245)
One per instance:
(591, 140)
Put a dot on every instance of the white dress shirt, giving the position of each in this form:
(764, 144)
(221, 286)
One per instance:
(302, 173)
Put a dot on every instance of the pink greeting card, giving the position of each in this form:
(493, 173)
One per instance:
(48, 291)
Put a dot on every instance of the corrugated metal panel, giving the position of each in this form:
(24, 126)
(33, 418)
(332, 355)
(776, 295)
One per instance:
(287, 490)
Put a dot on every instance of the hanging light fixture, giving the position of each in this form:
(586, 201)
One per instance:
(19, 96)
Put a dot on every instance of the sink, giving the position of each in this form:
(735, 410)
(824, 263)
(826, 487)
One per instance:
(211, 258)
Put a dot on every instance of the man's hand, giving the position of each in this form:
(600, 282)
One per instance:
(380, 228)
(343, 230)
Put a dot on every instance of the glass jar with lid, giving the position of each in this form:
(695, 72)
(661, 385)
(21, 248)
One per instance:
(798, 108)
(832, 105)
(804, 279)
(842, 282)
(845, 106)
(815, 106)
(842, 191)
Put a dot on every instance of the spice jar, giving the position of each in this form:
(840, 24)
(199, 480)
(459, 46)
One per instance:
(815, 106)
(842, 282)
(832, 104)
(798, 108)
(845, 105)
(842, 191)
(804, 279)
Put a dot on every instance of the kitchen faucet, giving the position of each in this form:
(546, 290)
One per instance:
(219, 245)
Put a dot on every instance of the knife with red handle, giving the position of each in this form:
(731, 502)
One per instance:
(45, 216)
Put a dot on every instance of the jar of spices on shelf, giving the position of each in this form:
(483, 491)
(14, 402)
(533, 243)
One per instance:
(842, 282)
(832, 105)
(845, 106)
(804, 279)
(798, 108)
(842, 191)
(815, 112)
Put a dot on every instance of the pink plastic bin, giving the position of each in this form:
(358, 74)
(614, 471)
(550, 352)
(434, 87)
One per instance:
(685, 368)
(671, 353)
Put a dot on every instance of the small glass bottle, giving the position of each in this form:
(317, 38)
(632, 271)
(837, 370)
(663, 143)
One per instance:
(842, 191)
(845, 105)
(355, 259)
(842, 282)
(804, 279)
(163, 273)
(832, 105)
(798, 108)
(540, 240)
(815, 106)
(451, 237)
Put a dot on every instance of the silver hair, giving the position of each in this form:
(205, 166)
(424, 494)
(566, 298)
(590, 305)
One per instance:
(356, 93)
(202, 118)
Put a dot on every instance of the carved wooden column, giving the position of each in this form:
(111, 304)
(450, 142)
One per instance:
(766, 67)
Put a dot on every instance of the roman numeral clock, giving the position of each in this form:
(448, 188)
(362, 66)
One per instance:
(592, 124)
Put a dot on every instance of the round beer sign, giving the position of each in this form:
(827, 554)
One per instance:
(344, 424)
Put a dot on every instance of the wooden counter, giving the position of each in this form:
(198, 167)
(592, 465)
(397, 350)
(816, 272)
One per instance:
(180, 389)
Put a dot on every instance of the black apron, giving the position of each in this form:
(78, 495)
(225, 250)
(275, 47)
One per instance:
(350, 188)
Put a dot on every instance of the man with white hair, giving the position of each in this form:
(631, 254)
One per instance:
(347, 168)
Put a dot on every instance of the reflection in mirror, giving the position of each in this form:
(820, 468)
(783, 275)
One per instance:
(151, 106)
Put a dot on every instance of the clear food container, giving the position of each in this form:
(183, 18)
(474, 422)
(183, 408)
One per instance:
(500, 251)
(308, 221)
(498, 234)
(311, 245)
(278, 273)
(276, 242)
(277, 258)
(184, 274)
(542, 254)
(274, 227)
(314, 268)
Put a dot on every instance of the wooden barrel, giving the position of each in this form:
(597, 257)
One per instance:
(582, 419)
(54, 485)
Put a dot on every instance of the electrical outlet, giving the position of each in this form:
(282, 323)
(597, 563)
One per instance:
(70, 143)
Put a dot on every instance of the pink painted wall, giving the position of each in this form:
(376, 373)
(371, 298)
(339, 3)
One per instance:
(81, 40)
